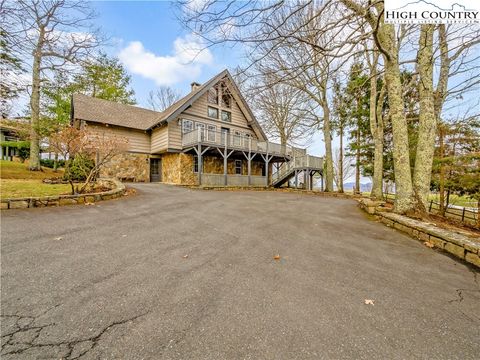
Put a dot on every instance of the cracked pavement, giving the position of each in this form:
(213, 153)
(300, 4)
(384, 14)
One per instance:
(110, 281)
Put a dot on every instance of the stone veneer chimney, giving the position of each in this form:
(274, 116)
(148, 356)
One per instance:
(195, 86)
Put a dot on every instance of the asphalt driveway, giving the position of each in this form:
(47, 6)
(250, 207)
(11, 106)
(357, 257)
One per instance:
(173, 273)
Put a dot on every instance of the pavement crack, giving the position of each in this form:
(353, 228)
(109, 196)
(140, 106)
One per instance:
(459, 296)
(71, 344)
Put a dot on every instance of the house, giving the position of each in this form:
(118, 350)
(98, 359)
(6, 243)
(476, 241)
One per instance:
(9, 140)
(209, 137)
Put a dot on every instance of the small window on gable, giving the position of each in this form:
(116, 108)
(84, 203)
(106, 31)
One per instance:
(213, 96)
(212, 112)
(187, 126)
(226, 116)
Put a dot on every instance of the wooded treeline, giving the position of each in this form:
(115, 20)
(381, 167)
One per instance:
(401, 96)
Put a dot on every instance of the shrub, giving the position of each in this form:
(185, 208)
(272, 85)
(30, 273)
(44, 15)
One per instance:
(79, 168)
(50, 163)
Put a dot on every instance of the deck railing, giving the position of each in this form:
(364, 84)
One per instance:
(238, 142)
(298, 162)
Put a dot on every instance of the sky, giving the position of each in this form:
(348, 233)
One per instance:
(157, 50)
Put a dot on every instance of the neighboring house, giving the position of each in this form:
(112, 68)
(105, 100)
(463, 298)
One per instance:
(8, 134)
(209, 137)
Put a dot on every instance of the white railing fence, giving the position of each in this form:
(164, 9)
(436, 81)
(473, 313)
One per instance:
(240, 142)
(300, 162)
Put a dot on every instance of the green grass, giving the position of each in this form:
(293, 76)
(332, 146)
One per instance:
(17, 181)
(16, 170)
(18, 188)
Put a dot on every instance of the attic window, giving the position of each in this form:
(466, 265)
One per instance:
(226, 98)
(213, 96)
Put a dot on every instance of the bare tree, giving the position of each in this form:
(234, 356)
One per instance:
(285, 112)
(162, 98)
(51, 34)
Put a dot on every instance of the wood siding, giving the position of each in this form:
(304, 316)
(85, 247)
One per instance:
(198, 113)
(159, 139)
(138, 141)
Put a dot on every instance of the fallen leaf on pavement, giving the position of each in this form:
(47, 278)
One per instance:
(185, 256)
(89, 203)
(428, 244)
(277, 257)
(58, 238)
(369, 302)
(124, 235)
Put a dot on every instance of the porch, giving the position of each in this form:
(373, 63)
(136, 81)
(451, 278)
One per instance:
(228, 148)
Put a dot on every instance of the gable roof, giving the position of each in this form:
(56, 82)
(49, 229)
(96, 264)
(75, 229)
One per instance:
(177, 108)
(109, 112)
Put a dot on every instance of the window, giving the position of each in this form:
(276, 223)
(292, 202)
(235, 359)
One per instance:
(195, 163)
(187, 126)
(225, 135)
(226, 116)
(246, 140)
(213, 96)
(201, 128)
(211, 132)
(237, 138)
(226, 100)
(212, 112)
(238, 167)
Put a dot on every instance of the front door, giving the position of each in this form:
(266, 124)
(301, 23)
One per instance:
(155, 170)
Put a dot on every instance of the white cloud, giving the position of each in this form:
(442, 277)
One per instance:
(186, 62)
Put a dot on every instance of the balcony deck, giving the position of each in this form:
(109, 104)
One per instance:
(217, 139)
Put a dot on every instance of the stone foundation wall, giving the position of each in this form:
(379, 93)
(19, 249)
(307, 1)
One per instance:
(214, 165)
(178, 169)
(128, 167)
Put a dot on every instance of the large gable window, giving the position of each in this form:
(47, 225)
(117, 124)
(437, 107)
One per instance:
(213, 96)
(226, 97)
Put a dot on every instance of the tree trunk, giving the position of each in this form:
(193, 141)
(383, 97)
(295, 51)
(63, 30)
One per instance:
(55, 162)
(441, 180)
(357, 155)
(328, 148)
(427, 127)
(376, 128)
(34, 162)
(340, 162)
(401, 160)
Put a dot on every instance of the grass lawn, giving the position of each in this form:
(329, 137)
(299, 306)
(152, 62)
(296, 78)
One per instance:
(17, 188)
(17, 181)
(16, 170)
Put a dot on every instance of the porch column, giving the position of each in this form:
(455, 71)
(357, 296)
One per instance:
(225, 165)
(296, 179)
(200, 164)
(307, 179)
(249, 161)
(7, 152)
(1, 152)
(322, 181)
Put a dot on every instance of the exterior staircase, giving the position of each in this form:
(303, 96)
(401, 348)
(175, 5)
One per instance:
(307, 163)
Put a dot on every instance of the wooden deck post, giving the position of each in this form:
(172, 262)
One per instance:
(199, 156)
(225, 163)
